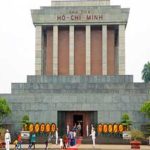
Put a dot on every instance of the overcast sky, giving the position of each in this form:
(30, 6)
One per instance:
(17, 39)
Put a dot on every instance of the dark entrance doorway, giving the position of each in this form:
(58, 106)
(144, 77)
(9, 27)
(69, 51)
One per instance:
(69, 118)
(78, 119)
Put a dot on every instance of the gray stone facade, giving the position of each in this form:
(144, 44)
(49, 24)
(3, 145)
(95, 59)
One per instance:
(111, 96)
(79, 15)
(44, 97)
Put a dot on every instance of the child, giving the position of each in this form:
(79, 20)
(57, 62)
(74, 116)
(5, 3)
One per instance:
(16, 144)
(19, 143)
(61, 143)
(65, 142)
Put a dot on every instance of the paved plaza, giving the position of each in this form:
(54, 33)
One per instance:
(87, 147)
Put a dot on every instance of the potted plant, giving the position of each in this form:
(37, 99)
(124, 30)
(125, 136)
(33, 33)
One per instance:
(136, 137)
(25, 122)
(126, 122)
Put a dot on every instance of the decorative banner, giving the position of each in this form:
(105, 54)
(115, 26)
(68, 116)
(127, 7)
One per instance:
(120, 128)
(37, 127)
(110, 128)
(105, 128)
(115, 128)
(100, 128)
(31, 127)
(42, 127)
(47, 128)
(53, 127)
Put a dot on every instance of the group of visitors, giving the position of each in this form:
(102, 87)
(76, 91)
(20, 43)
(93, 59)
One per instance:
(69, 139)
(73, 134)
(66, 141)
(18, 141)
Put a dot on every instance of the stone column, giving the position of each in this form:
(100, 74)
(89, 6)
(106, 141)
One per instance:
(38, 50)
(55, 50)
(71, 50)
(104, 49)
(88, 50)
(121, 50)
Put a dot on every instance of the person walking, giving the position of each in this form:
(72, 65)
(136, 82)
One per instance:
(19, 141)
(93, 134)
(48, 140)
(32, 140)
(7, 139)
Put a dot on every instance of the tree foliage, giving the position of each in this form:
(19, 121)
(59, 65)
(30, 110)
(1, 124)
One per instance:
(4, 109)
(146, 72)
(145, 108)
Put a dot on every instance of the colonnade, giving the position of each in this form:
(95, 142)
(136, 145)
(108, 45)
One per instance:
(120, 55)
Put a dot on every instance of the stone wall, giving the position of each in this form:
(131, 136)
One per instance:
(111, 96)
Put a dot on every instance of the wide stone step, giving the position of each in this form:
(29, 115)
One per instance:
(83, 147)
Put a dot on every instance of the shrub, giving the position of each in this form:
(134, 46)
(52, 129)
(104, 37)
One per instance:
(137, 134)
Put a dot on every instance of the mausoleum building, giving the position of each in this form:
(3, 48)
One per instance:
(79, 67)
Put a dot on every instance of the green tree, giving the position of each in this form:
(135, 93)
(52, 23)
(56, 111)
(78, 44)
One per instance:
(25, 121)
(4, 109)
(146, 72)
(125, 121)
(145, 108)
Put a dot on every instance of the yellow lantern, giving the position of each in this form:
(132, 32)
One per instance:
(47, 127)
(105, 128)
(42, 127)
(100, 128)
(120, 128)
(110, 128)
(31, 127)
(37, 127)
(53, 127)
(115, 128)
